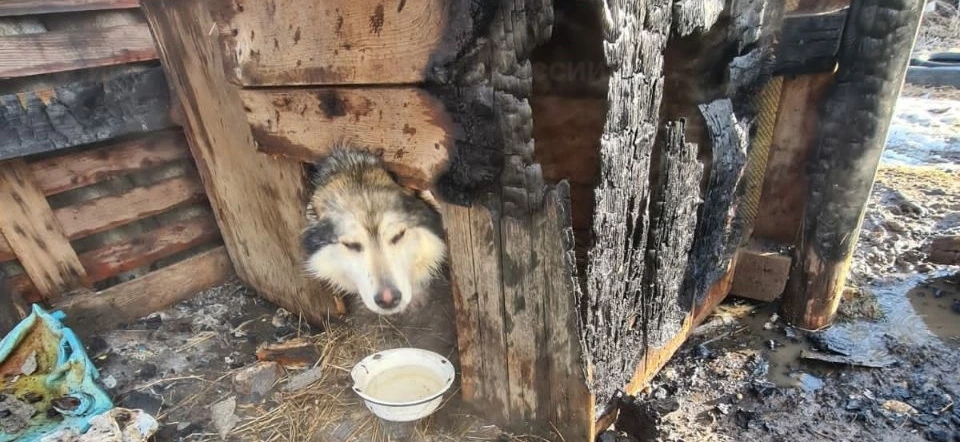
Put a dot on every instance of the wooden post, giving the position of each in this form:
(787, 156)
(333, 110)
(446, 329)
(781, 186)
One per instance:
(854, 121)
(257, 199)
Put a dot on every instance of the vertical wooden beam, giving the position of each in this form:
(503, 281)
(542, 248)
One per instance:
(257, 199)
(35, 235)
(854, 122)
(10, 312)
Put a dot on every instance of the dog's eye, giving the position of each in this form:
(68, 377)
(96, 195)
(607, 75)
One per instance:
(396, 238)
(355, 246)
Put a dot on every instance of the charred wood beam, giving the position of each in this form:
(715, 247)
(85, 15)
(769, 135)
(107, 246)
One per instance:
(695, 16)
(809, 43)
(717, 236)
(854, 122)
(636, 34)
(83, 112)
(674, 212)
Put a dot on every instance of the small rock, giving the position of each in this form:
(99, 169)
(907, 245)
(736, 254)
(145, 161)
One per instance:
(703, 352)
(853, 405)
(30, 364)
(898, 407)
(937, 435)
(258, 379)
(894, 226)
(303, 379)
(110, 382)
(222, 414)
(723, 408)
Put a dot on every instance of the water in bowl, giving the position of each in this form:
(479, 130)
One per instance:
(406, 383)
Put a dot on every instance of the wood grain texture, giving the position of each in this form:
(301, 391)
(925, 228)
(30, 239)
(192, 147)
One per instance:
(257, 199)
(77, 169)
(83, 112)
(33, 7)
(149, 247)
(411, 126)
(104, 213)
(786, 180)
(155, 291)
(855, 118)
(49, 52)
(35, 235)
(295, 42)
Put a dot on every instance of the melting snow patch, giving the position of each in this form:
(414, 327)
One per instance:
(924, 132)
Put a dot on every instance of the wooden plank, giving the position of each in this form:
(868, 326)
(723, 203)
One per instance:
(83, 112)
(59, 51)
(761, 273)
(72, 170)
(463, 281)
(855, 119)
(100, 214)
(289, 42)
(149, 247)
(411, 125)
(808, 43)
(32, 7)
(35, 235)
(155, 291)
(785, 182)
(257, 199)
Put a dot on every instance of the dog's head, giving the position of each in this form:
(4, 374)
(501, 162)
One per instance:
(369, 236)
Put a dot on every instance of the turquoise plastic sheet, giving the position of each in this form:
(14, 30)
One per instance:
(43, 360)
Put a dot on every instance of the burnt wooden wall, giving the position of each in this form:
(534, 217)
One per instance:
(102, 213)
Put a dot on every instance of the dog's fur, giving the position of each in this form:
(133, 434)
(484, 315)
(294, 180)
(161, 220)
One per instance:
(366, 234)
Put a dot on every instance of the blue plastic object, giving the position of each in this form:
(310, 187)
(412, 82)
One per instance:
(62, 369)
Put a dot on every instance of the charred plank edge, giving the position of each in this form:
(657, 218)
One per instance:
(83, 112)
(155, 291)
(57, 51)
(855, 119)
(695, 16)
(10, 8)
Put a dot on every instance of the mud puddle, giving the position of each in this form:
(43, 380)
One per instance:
(937, 303)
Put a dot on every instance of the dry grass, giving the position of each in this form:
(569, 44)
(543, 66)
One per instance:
(940, 31)
(329, 411)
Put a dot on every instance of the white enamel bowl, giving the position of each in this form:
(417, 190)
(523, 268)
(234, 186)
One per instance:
(402, 384)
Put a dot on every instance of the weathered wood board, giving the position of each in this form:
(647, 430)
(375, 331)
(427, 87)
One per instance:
(411, 126)
(35, 235)
(257, 199)
(59, 51)
(33, 7)
(289, 42)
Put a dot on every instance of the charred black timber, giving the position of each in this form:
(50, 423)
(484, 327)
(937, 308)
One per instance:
(855, 118)
(695, 16)
(83, 113)
(674, 213)
(809, 43)
(636, 34)
(717, 236)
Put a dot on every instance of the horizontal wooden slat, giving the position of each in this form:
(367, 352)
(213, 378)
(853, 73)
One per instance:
(147, 248)
(124, 303)
(31, 7)
(105, 213)
(83, 113)
(293, 42)
(73, 170)
(49, 52)
(411, 126)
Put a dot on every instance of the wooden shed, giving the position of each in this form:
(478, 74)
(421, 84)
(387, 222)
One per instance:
(608, 170)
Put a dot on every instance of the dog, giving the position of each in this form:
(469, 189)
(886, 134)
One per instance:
(369, 236)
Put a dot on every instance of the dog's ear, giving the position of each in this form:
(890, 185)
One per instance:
(317, 235)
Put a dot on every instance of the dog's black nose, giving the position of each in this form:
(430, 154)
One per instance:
(388, 298)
